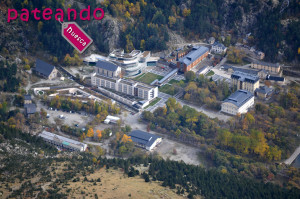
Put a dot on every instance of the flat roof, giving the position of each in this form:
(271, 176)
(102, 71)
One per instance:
(143, 138)
(239, 97)
(106, 78)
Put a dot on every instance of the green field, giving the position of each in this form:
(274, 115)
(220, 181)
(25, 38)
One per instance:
(153, 102)
(210, 73)
(169, 89)
(148, 78)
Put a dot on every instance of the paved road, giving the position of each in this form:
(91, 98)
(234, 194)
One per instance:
(291, 159)
(212, 114)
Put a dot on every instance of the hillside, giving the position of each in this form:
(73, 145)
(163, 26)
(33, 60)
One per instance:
(153, 25)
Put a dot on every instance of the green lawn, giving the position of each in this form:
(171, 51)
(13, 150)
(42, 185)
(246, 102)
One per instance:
(153, 102)
(148, 78)
(169, 89)
(210, 73)
(173, 81)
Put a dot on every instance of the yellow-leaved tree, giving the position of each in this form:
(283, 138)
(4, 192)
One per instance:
(126, 138)
(90, 133)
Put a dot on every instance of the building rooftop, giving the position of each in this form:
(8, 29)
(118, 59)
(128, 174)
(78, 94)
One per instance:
(27, 97)
(43, 67)
(106, 65)
(196, 52)
(239, 98)
(219, 45)
(264, 90)
(143, 138)
(30, 108)
(63, 140)
(242, 76)
(275, 78)
(275, 65)
(128, 82)
(111, 79)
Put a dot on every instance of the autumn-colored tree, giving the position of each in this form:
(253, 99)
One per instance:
(90, 133)
(12, 122)
(126, 138)
(172, 21)
(99, 134)
(186, 12)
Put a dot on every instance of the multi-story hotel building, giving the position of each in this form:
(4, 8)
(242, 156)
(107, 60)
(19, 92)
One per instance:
(131, 63)
(245, 81)
(107, 75)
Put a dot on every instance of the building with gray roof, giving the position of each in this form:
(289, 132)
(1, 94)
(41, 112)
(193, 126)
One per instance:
(245, 81)
(238, 103)
(30, 109)
(145, 140)
(108, 69)
(271, 67)
(263, 92)
(193, 58)
(218, 48)
(27, 99)
(45, 70)
(62, 142)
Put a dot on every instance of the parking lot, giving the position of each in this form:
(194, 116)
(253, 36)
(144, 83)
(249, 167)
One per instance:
(70, 119)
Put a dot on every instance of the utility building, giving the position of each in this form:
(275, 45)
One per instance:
(145, 140)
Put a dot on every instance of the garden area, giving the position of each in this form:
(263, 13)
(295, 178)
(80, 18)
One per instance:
(148, 78)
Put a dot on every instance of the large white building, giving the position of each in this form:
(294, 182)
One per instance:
(62, 142)
(238, 102)
(107, 75)
(131, 63)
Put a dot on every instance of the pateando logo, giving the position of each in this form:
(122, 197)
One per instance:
(59, 15)
(71, 31)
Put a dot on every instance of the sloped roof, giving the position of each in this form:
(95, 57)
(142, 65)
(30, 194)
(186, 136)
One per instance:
(239, 98)
(241, 76)
(43, 67)
(143, 138)
(264, 90)
(63, 140)
(220, 45)
(30, 108)
(193, 55)
(106, 65)
(27, 97)
(275, 65)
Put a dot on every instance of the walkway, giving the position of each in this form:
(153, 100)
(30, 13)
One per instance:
(291, 159)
